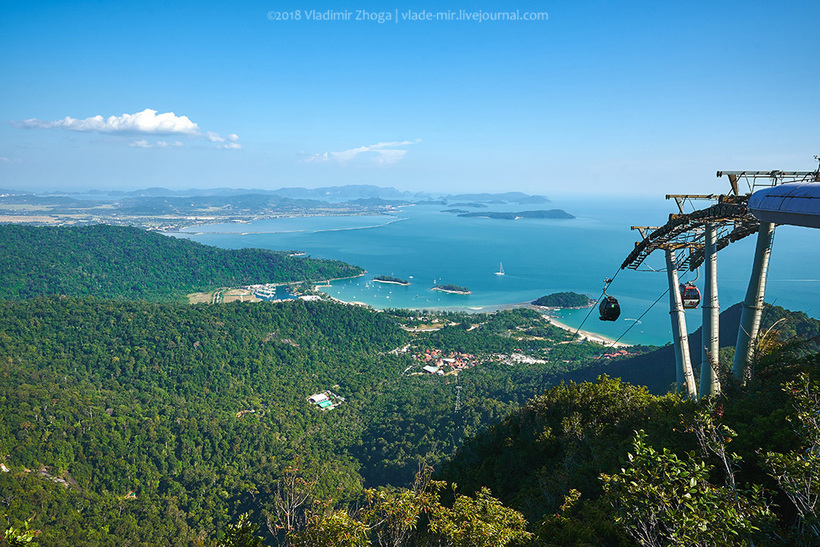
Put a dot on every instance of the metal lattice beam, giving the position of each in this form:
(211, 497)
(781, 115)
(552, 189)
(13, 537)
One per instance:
(686, 231)
(758, 179)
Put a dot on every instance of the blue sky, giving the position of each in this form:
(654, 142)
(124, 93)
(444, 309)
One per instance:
(640, 97)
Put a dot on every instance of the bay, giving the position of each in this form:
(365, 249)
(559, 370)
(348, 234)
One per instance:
(428, 247)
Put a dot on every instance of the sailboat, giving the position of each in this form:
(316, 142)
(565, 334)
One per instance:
(500, 269)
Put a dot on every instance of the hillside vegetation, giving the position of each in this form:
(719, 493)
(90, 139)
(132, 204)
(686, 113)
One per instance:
(130, 422)
(129, 263)
(564, 300)
(605, 462)
(165, 421)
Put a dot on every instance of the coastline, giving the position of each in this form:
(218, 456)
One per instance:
(587, 335)
(448, 291)
(392, 282)
(327, 281)
(583, 334)
(181, 225)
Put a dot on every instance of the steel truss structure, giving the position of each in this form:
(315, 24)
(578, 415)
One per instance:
(692, 239)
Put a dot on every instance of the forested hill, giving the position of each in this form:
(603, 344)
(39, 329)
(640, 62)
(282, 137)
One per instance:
(129, 263)
(153, 422)
(576, 462)
(161, 422)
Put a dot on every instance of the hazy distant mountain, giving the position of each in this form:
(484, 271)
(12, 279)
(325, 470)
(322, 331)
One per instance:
(378, 202)
(240, 201)
(246, 203)
(344, 193)
(533, 200)
(31, 199)
(513, 197)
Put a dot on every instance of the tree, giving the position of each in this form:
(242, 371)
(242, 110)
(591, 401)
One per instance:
(21, 537)
(798, 472)
(292, 492)
(478, 522)
(663, 500)
(242, 534)
(394, 516)
(331, 529)
(415, 517)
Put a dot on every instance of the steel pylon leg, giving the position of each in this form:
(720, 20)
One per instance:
(753, 304)
(684, 377)
(710, 329)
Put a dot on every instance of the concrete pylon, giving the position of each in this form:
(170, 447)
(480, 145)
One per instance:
(710, 329)
(753, 304)
(685, 378)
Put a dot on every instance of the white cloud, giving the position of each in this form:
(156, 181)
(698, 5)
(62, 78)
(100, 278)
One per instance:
(383, 153)
(4, 159)
(216, 137)
(147, 121)
(142, 143)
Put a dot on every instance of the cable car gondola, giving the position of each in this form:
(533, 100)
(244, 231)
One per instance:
(690, 296)
(609, 308)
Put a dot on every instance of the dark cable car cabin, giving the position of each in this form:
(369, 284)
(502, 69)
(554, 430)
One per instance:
(609, 308)
(690, 296)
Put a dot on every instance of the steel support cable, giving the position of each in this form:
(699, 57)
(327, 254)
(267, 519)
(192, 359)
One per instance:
(638, 320)
(595, 305)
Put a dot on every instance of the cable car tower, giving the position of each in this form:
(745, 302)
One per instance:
(689, 240)
(694, 238)
(755, 292)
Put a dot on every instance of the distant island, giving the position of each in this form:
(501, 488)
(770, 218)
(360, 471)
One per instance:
(167, 210)
(457, 211)
(564, 300)
(552, 213)
(391, 279)
(473, 205)
(452, 289)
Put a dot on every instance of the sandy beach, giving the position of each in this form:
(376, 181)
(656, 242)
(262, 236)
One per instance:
(582, 334)
(586, 335)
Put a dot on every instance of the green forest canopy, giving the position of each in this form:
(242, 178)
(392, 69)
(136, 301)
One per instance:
(564, 300)
(129, 263)
(140, 406)
(163, 422)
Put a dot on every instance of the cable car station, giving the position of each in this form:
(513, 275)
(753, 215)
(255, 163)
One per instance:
(692, 239)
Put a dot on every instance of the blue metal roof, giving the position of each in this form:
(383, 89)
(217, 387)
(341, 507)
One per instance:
(797, 204)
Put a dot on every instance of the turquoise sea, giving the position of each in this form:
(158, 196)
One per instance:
(428, 247)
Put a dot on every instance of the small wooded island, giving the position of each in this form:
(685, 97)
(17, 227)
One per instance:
(564, 300)
(452, 289)
(391, 279)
